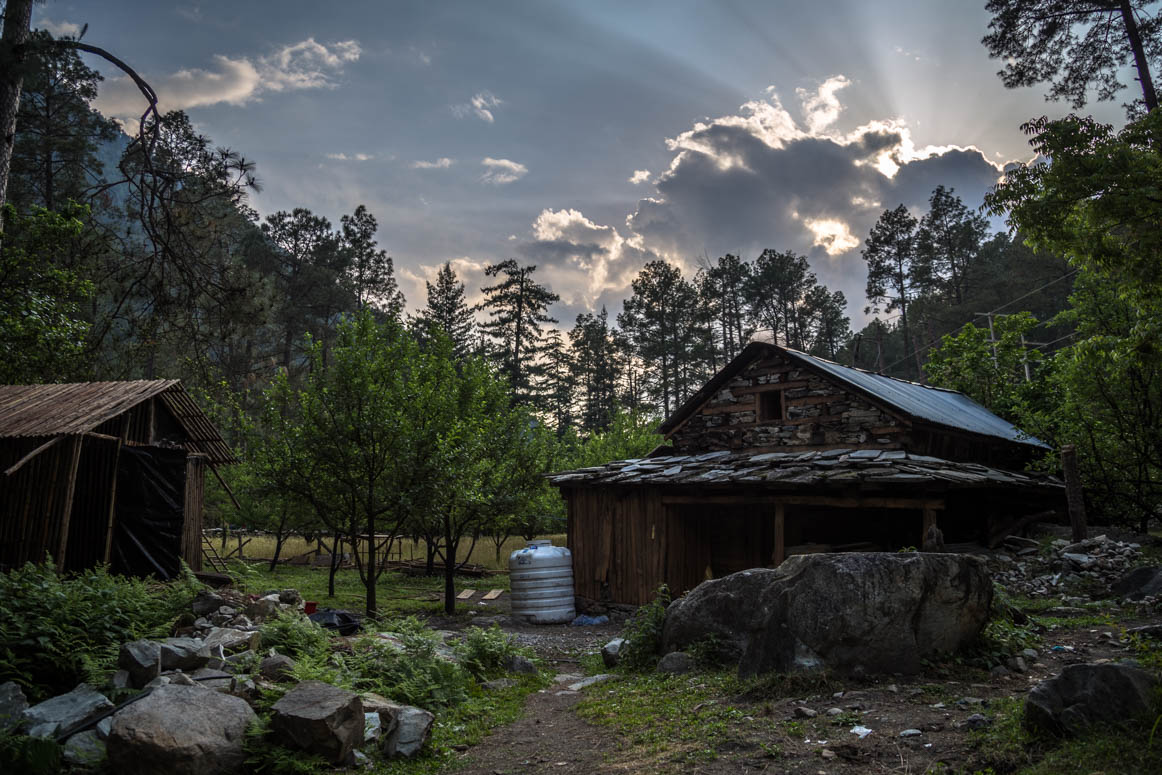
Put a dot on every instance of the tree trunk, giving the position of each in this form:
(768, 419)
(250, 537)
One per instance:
(1140, 62)
(17, 25)
(1073, 492)
(449, 567)
(371, 602)
(334, 566)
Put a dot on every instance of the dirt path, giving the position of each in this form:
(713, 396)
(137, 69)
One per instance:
(549, 738)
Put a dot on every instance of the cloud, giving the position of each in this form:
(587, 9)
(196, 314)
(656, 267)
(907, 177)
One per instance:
(237, 81)
(59, 29)
(501, 171)
(587, 263)
(639, 176)
(351, 157)
(480, 106)
(441, 163)
(758, 178)
(822, 108)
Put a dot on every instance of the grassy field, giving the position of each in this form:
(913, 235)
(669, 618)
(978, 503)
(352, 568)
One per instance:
(397, 593)
(261, 547)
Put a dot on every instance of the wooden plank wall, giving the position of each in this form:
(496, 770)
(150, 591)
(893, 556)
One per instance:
(819, 414)
(194, 502)
(32, 500)
(89, 521)
(620, 541)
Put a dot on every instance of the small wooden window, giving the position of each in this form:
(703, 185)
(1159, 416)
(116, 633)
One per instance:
(770, 406)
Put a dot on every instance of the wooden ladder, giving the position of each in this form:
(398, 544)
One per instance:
(210, 554)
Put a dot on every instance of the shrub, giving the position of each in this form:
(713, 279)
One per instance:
(295, 635)
(415, 674)
(56, 630)
(643, 633)
(486, 652)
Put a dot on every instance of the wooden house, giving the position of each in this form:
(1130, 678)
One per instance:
(107, 472)
(783, 453)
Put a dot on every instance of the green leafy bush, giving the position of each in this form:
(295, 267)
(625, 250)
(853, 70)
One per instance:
(56, 631)
(486, 652)
(1007, 632)
(643, 633)
(415, 674)
(295, 635)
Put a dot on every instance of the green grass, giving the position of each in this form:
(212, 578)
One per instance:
(1007, 747)
(674, 721)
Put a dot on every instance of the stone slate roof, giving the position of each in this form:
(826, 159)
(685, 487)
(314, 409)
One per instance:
(791, 470)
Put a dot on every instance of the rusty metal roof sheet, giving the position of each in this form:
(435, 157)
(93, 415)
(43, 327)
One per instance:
(831, 468)
(79, 407)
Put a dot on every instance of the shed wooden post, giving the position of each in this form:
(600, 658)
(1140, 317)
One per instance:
(780, 553)
(929, 521)
(108, 555)
(1073, 494)
(67, 506)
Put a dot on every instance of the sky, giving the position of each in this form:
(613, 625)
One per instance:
(585, 137)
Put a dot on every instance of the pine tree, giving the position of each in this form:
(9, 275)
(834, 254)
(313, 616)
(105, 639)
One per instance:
(448, 311)
(722, 291)
(892, 265)
(369, 273)
(596, 369)
(517, 307)
(778, 285)
(947, 245)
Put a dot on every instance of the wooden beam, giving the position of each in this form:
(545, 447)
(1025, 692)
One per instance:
(67, 507)
(17, 465)
(152, 420)
(108, 555)
(780, 537)
(222, 482)
(849, 502)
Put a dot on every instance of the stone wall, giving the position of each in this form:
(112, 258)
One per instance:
(817, 414)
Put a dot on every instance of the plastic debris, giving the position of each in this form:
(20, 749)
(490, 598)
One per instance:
(862, 731)
(588, 621)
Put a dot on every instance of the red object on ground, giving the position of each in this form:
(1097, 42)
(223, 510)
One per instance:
(309, 607)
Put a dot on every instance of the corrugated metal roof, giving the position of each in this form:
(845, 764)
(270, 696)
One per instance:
(838, 468)
(945, 407)
(79, 407)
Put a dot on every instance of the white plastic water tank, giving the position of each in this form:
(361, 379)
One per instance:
(542, 583)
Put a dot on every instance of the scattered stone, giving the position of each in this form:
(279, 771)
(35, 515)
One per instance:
(1017, 664)
(181, 679)
(12, 705)
(676, 663)
(911, 733)
(1088, 693)
(180, 730)
(290, 597)
(977, 721)
(567, 678)
(611, 652)
(498, 684)
(834, 711)
(406, 728)
(1139, 583)
(1000, 671)
(51, 717)
(84, 749)
(207, 603)
(590, 681)
(372, 725)
(970, 701)
(319, 719)
(1030, 654)
(230, 640)
(518, 663)
(218, 680)
(804, 712)
(263, 608)
(827, 753)
(848, 612)
(276, 667)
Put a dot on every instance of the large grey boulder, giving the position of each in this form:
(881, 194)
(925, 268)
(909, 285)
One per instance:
(407, 728)
(52, 717)
(142, 658)
(1087, 694)
(12, 705)
(84, 749)
(320, 719)
(859, 612)
(1139, 583)
(180, 730)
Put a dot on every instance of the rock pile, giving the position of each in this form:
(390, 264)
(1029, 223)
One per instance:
(1023, 567)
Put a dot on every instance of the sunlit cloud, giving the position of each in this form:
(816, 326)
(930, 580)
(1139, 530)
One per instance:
(441, 163)
(480, 105)
(501, 171)
(639, 176)
(822, 107)
(60, 29)
(237, 81)
(831, 234)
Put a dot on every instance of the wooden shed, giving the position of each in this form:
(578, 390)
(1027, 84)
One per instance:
(107, 472)
(784, 453)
